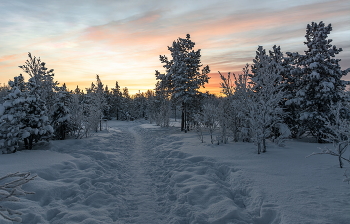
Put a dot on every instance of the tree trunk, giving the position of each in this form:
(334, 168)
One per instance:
(340, 161)
(339, 155)
(183, 122)
(28, 142)
(100, 124)
(264, 145)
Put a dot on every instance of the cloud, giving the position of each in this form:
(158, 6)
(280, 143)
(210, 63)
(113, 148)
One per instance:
(122, 40)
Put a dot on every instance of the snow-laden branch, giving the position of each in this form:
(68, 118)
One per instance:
(10, 189)
(329, 152)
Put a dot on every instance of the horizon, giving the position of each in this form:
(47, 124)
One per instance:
(122, 40)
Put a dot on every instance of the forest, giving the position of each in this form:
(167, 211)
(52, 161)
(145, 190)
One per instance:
(278, 97)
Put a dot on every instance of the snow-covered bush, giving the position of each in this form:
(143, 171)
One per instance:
(210, 119)
(234, 108)
(10, 189)
(199, 126)
(225, 112)
(281, 133)
(339, 125)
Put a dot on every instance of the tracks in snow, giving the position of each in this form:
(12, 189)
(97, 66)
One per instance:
(134, 175)
(140, 198)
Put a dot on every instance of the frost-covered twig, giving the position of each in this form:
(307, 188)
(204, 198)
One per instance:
(10, 189)
(332, 153)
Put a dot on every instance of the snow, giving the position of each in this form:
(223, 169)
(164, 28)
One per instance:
(135, 172)
(2, 109)
(7, 104)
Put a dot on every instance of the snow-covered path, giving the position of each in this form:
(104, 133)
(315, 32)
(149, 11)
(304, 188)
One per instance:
(132, 173)
(135, 172)
(140, 197)
(100, 179)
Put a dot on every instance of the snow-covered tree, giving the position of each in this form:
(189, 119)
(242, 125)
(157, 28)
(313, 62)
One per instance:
(291, 103)
(3, 92)
(183, 77)
(12, 111)
(139, 105)
(151, 105)
(24, 116)
(44, 79)
(210, 118)
(36, 123)
(265, 112)
(321, 83)
(234, 111)
(77, 116)
(92, 110)
(116, 104)
(50, 92)
(161, 105)
(225, 112)
(60, 114)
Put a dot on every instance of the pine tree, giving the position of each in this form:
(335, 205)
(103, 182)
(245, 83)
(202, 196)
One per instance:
(126, 104)
(44, 79)
(108, 110)
(36, 122)
(292, 102)
(321, 83)
(60, 115)
(116, 100)
(13, 110)
(183, 77)
(3, 92)
(24, 116)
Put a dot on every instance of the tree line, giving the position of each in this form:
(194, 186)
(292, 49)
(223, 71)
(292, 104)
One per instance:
(278, 96)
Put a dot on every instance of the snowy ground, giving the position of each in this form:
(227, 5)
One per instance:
(140, 173)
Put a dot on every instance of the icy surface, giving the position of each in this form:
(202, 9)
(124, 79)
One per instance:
(139, 173)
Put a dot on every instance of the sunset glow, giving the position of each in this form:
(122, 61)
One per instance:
(122, 40)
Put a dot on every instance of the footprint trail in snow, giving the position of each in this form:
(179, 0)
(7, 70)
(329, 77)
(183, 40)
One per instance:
(132, 174)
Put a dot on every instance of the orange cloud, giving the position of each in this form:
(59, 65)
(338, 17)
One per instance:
(127, 50)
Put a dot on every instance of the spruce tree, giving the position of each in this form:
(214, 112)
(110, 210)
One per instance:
(321, 83)
(61, 114)
(24, 116)
(36, 122)
(116, 100)
(183, 77)
(12, 111)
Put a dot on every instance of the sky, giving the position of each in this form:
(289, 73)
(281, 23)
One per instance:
(121, 40)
